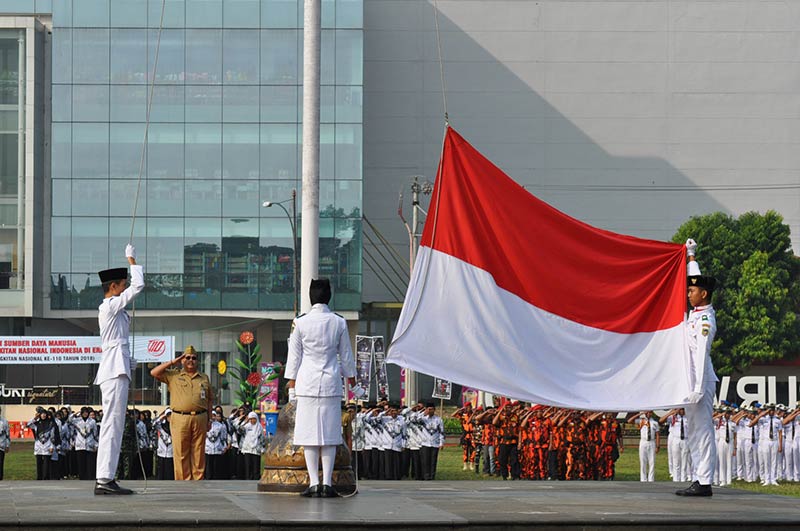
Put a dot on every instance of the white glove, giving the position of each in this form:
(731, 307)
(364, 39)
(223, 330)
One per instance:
(694, 397)
(292, 395)
(132, 365)
(130, 251)
(691, 247)
(358, 391)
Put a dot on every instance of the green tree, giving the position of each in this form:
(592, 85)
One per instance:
(758, 286)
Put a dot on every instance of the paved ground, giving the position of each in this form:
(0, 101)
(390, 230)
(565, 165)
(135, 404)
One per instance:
(398, 505)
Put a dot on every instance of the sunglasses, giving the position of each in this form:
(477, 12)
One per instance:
(190, 357)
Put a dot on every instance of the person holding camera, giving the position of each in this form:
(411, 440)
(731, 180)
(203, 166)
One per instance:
(47, 438)
(116, 366)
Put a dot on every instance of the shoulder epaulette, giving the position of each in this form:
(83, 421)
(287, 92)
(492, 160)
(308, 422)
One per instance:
(299, 316)
(340, 315)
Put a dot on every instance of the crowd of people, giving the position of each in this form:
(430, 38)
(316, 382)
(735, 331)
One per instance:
(390, 442)
(66, 443)
(515, 441)
(759, 443)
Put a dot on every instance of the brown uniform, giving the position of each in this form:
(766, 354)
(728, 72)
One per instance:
(190, 396)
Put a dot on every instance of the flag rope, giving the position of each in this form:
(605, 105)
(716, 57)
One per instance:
(133, 224)
(441, 63)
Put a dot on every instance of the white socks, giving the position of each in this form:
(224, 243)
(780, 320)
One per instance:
(328, 458)
(312, 464)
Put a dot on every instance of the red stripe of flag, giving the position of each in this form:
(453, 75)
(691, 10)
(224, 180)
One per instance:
(559, 264)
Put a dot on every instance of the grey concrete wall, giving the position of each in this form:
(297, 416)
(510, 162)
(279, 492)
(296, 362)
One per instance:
(690, 106)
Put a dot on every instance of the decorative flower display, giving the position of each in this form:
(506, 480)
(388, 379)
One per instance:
(246, 337)
(254, 379)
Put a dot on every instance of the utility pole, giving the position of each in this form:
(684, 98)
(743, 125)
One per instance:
(417, 188)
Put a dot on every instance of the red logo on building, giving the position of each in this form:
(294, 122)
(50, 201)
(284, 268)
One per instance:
(156, 347)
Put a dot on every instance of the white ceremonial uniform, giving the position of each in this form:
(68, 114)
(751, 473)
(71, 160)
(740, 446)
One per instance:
(677, 447)
(725, 436)
(769, 429)
(741, 465)
(788, 453)
(648, 428)
(319, 356)
(794, 428)
(114, 373)
(701, 326)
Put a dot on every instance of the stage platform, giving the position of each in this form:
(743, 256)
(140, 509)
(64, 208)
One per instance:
(392, 505)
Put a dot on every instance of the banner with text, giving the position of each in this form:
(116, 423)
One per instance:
(269, 388)
(79, 349)
(363, 365)
(442, 389)
(381, 377)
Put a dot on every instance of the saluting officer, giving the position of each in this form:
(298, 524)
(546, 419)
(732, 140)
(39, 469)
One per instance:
(190, 397)
(116, 367)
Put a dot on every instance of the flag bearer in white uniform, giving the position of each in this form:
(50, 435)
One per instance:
(726, 446)
(770, 443)
(116, 366)
(701, 326)
(319, 356)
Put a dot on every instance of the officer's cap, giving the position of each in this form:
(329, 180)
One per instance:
(110, 275)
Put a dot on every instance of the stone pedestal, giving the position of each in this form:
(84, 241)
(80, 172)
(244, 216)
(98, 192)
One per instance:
(285, 463)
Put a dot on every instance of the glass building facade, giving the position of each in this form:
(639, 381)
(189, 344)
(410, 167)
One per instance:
(224, 136)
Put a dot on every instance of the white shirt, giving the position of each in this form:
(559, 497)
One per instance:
(216, 438)
(720, 426)
(84, 433)
(701, 328)
(253, 440)
(319, 339)
(396, 431)
(414, 427)
(432, 431)
(114, 331)
(644, 426)
(763, 428)
(164, 441)
(675, 422)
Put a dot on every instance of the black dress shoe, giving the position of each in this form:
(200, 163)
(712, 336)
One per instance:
(328, 492)
(695, 489)
(110, 488)
(311, 492)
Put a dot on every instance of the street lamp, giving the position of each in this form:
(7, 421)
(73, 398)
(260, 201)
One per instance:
(293, 222)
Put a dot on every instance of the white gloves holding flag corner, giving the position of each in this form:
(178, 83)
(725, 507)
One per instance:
(130, 251)
(694, 397)
(691, 247)
(358, 391)
(292, 395)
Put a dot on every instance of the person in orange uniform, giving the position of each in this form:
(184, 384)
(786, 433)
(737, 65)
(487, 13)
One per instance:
(191, 397)
(467, 443)
(507, 423)
(610, 445)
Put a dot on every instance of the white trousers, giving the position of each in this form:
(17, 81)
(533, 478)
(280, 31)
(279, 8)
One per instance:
(741, 470)
(671, 449)
(701, 434)
(788, 460)
(768, 457)
(647, 460)
(681, 468)
(724, 458)
(796, 453)
(115, 400)
(748, 457)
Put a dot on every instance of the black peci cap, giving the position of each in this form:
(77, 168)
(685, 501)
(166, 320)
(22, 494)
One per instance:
(702, 282)
(109, 275)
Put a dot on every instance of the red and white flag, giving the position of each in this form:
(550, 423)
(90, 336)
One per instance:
(513, 297)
